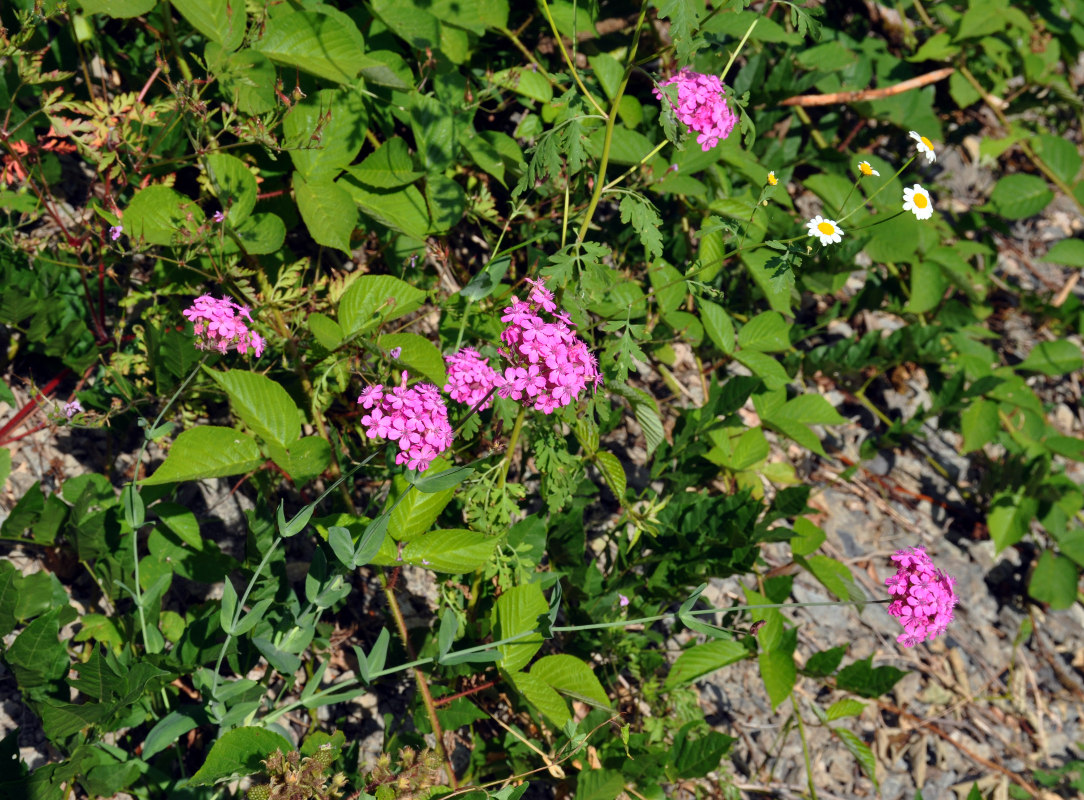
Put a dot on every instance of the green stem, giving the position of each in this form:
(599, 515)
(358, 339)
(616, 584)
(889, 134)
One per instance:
(167, 14)
(137, 592)
(801, 113)
(568, 58)
(611, 120)
(636, 166)
(738, 49)
(805, 748)
(883, 186)
(513, 440)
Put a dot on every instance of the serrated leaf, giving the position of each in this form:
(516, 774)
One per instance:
(262, 404)
(207, 451)
(542, 696)
(158, 215)
(234, 185)
(611, 468)
(767, 332)
(221, 21)
(717, 325)
(388, 167)
(571, 677)
(382, 297)
(1053, 358)
(1019, 196)
(325, 43)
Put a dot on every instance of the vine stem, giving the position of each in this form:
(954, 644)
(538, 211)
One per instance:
(510, 452)
(611, 120)
(419, 676)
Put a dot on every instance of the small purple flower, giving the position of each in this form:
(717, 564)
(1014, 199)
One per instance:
(218, 216)
(115, 232)
(395, 352)
(624, 601)
(673, 168)
(72, 408)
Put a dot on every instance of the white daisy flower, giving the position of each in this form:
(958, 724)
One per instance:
(917, 201)
(826, 229)
(867, 170)
(924, 146)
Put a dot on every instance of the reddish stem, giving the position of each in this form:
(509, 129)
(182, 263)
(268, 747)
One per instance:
(22, 413)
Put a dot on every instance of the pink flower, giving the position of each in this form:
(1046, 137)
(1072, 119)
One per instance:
(925, 596)
(219, 324)
(73, 408)
(624, 601)
(470, 378)
(701, 106)
(218, 216)
(115, 231)
(414, 417)
(549, 365)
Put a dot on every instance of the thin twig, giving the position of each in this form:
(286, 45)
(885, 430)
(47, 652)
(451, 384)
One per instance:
(869, 94)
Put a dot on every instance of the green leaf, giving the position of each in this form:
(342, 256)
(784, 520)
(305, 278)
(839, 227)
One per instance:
(325, 132)
(118, 9)
(10, 584)
(476, 16)
(324, 43)
(767, 332)
(233, 184)
(647, 415)
(1019, 196)
(37, 656)
(684, 17)
(447, 203)
(979, 424)
(388, 167)
(1068, 251)
(454, 550)
(867, 681)
(326, 330)
(328, 211)
(764, 367)
(525, 82)
(1061, 155)
(695, 758)
(717, 324)
(1009, 517)
(306, 459)
(263, 405)
(248, 79)
(1053, 358)
(518, 610)
(171, 728)
(1054, 581)
(403, 210)
(207, 451)
(158, 215)
(777, 668)
(928, 284)
(835, 576)
(380, 296)
(701, 659)
(414, 25)
(261, 234)
(542, 696)
(62, 720)
(417, 511)
(861, 752)
(847, 707)
(572, 677)
(221, 21)
(610, 466)
(238, 752)
(809, 537)
(772, 276)
(824, 662)
(645, 220)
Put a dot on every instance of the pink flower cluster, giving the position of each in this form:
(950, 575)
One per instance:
(470, 378)
(702, 106)
(414, 416)
(551, 365)
(220, 324)
(925, 597)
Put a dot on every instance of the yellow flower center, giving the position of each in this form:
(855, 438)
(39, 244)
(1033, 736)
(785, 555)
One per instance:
(926, 142)
(827, 228)
(772, 179)
(866, 168)
(920, 200)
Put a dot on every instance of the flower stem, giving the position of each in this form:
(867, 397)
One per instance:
(510, 452)
(568, 59)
